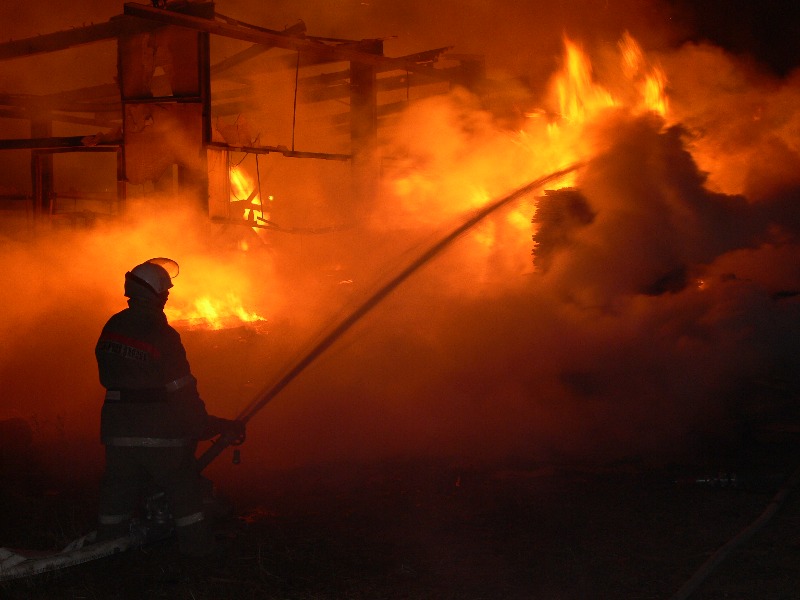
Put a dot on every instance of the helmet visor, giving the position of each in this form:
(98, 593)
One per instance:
(169, 265)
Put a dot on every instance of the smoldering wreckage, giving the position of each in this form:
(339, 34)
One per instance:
(661, 298)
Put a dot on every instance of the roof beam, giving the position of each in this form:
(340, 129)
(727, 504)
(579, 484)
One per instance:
(52, 143)
(254, 50)
(279, 150)
(78, 36)
(58, 117)
(429, 56)
(274, 38)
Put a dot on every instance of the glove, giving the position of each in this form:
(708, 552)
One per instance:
(217, 426)
(237, 429)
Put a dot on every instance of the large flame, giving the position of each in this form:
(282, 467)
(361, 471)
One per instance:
(648, 79)
(553, 136)
(581, 100)
(579, 97)
(221, 309)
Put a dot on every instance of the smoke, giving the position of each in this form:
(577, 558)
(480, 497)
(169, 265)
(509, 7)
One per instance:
(649, 334)
(655, 315)
(661, 323)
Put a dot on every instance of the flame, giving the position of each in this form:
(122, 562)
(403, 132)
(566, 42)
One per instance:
(243, 187)
(649, 79)
(581, 101)
(579, 97)
(224, 310)
(453, 182)
(208, 312)
(193, 306)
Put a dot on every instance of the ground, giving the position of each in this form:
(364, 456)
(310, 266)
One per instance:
(425, 528)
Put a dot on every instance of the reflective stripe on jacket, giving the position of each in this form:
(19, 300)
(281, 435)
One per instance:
(141, 359)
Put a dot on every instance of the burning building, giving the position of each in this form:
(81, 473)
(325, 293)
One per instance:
(639, 304)
(176, 139)
(167, 118)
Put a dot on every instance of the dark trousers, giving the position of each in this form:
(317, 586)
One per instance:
(133, 472)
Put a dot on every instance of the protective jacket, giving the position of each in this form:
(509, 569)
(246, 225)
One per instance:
(151, 393)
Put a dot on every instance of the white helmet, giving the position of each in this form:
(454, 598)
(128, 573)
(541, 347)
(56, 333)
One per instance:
(154, 275)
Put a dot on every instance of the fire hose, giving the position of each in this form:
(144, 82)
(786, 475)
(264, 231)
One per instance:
(15, 564)
(705, 570)
(265, 396)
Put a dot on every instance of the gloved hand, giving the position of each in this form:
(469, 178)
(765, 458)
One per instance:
(217, 426)
(237, 429)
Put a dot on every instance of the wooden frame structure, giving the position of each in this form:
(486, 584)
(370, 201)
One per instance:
(184, 28)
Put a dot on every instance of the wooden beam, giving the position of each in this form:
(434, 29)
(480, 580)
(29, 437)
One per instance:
(238, 58)
(235, 31)
(97, 121)
(254, 50)
(340, 121)
(344, 74)
(274, 38)
(59, 117)
(285, 61)
(50, 103)
(384, 84)
(107, 91)
(78, 36)
(54, 143)
(278, 150)
(21, 100)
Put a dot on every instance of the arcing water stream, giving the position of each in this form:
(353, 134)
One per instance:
(327, 341)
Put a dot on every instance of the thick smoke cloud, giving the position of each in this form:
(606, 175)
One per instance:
(649, 333)
(655, 317)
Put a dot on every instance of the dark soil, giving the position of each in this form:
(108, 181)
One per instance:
(430, 529)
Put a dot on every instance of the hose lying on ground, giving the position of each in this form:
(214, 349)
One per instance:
(720, 555)
(14, 565)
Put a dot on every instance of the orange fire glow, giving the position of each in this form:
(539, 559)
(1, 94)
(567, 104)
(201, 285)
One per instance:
(552, 137)
(207, 312)
(581, 99)
(648, 79)
(223, 309)
(245, 189)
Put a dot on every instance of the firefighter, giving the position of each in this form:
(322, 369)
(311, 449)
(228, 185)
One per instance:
(153, 416)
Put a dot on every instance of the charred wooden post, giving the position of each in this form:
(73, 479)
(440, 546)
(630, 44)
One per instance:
(364, 127)
(42, 181)
(167, 120)
(204, 89)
